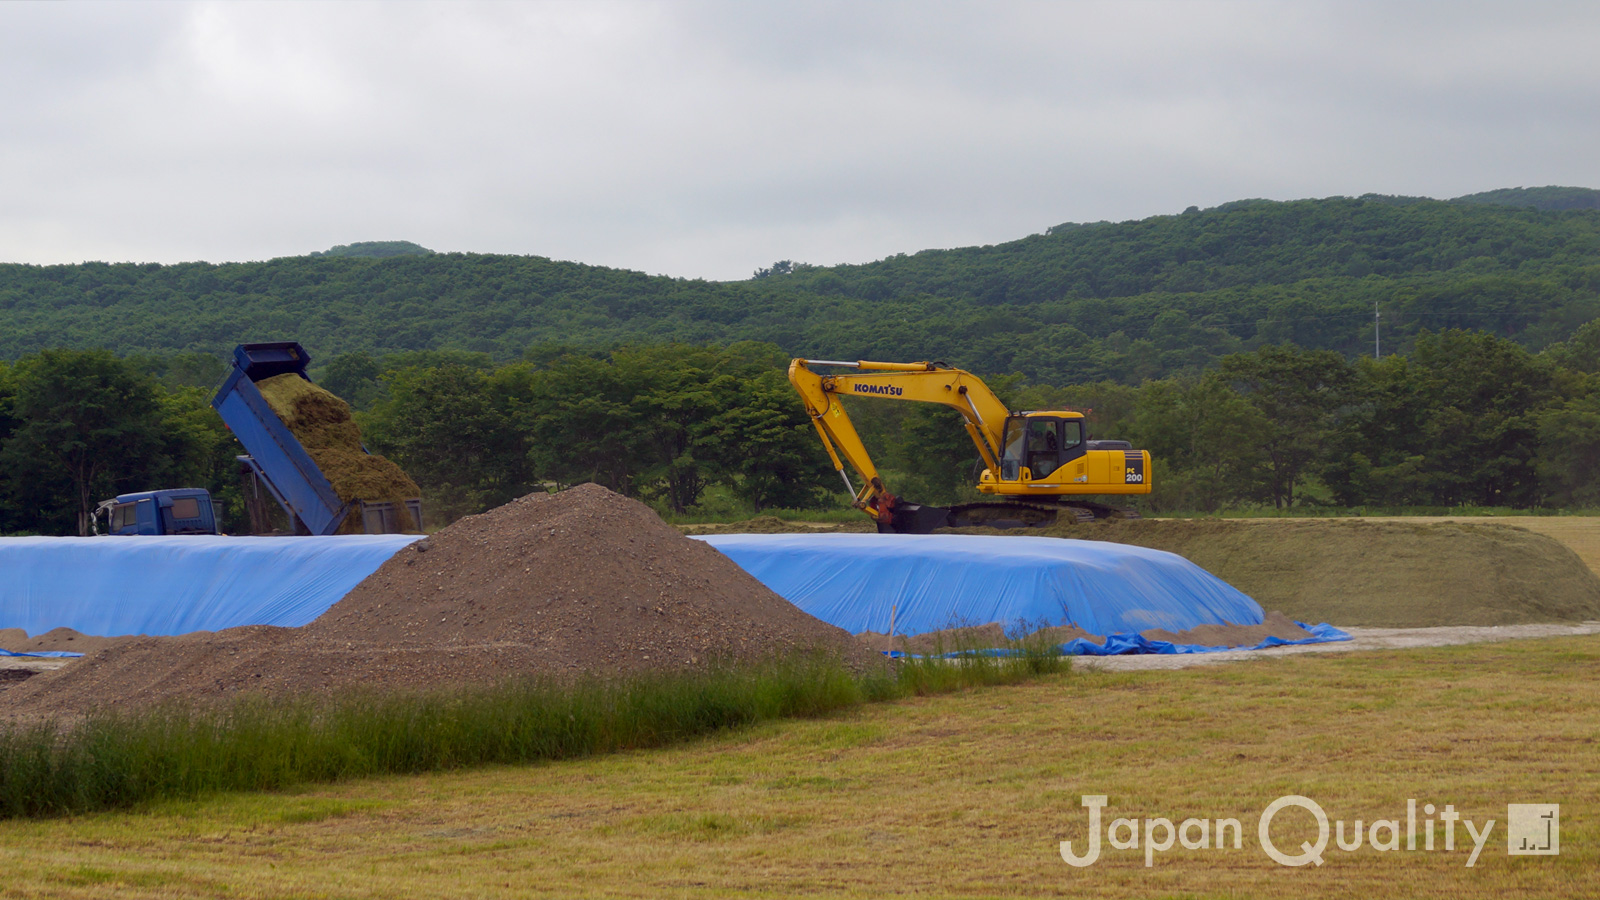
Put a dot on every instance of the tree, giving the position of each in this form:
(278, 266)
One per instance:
(354, 378)
(1568, 459)
(1480, 430)
(763, 447)
(1207, 441)
(454, 430)
(1297, 392)
(88, 425)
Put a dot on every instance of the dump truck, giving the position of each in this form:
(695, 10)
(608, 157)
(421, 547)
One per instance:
(276, 460)
(1038, 464)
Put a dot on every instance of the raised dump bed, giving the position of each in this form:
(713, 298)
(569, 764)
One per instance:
(278, 460)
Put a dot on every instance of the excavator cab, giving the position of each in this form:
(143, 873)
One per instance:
(1037, 444)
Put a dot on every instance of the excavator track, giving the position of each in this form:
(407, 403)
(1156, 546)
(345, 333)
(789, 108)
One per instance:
(914, 518)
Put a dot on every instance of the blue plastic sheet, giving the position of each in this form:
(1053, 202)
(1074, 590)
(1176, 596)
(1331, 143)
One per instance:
(48, 653)
(933, 582)
(1119, 644)
(173, 585)
(930, 582)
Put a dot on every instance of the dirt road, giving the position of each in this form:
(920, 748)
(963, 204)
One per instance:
(1364, 639)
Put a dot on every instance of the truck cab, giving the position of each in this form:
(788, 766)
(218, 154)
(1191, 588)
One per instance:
(174, 511)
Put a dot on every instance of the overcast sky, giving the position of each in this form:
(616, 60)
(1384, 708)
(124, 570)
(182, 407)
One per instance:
(707, 139)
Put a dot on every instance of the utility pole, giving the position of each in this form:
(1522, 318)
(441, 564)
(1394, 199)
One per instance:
(1377, 345)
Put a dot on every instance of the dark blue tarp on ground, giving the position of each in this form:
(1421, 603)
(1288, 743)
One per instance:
(1126, 644)
(1120, 644)
(173, 585)
(934, 582)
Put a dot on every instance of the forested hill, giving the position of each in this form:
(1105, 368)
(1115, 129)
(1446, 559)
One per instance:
(1078, 303)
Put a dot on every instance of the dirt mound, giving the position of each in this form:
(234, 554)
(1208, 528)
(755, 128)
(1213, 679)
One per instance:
(1385, 574)
(580, 582)
(323, 425)
(17, 641)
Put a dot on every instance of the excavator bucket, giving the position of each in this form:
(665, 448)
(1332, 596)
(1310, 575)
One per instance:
(914, 518)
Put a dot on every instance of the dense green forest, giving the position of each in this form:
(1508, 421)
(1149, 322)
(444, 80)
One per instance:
(1079, 303)
(1233, 343)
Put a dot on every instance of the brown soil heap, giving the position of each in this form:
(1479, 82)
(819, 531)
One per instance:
(581, 582)
(17, 641)
(322, 423)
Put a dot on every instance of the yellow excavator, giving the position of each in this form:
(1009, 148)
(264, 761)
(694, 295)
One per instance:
(1039, 464)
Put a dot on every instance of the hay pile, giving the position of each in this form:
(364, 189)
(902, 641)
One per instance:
(323, 425)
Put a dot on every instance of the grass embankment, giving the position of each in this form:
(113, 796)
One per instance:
(1391, 573)
(115, 760)
(965, 794)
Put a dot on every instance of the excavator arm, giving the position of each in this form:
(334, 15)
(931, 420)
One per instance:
(981, 411)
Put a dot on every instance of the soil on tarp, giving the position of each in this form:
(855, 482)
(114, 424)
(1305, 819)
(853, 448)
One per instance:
(323, 425)
(1273, 624)
(584, 582)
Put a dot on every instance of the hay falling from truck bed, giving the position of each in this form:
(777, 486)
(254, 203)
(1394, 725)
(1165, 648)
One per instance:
(322, 423)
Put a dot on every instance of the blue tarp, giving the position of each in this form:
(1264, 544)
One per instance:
(49, 653)
(173, 585)
(1120, 644)
(933, 582)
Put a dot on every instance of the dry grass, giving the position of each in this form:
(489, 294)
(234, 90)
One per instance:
(962, 795)
(1581, 534)
(1392, 573)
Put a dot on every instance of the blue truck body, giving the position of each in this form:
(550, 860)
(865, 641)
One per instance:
(275, 455)
(173, 511)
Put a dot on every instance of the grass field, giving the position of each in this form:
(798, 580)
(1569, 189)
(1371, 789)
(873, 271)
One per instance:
(957, 795)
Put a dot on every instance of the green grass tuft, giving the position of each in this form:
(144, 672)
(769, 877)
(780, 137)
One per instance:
(117, 760)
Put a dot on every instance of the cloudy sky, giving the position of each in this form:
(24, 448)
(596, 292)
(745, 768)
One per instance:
(707, 139)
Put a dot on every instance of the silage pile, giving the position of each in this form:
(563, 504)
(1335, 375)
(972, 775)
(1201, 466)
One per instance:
(584, 582)
(1387, 574)
(323, 425)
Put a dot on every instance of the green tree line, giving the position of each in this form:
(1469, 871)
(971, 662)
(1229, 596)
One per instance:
(1466, 418)
(662, 423)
